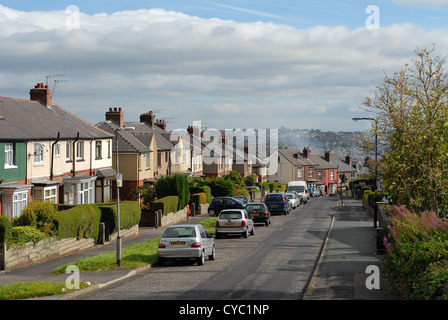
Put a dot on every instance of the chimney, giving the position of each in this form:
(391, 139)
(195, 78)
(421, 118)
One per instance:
(148, 118)
(328, 155)
(306, 152)
(115, 115)
(161, 124)
(348, 159)
(42, 94)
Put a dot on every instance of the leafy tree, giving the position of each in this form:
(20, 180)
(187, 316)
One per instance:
(411, 119)
(235, 177)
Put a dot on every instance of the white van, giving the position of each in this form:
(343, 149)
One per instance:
(300, 187)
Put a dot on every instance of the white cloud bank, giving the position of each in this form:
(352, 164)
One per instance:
(224, 73)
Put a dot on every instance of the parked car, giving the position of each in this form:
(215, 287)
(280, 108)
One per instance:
(293, 199)
(243, 199)
(234, 221)
(190, 241)
(259, 212)
(220, 203)
(277, 202)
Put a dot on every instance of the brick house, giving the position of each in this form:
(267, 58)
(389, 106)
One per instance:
(327, 173)
(49, 154)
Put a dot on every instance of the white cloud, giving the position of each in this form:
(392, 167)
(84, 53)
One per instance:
(224, 73)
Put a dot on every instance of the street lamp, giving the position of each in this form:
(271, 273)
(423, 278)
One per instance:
(119, 179)
(375, 215)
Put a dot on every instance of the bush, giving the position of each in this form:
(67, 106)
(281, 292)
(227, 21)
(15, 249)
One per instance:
(167, 204)
(220, 187)
(24, 234)
(175, 185)
(79, 222)
(130, 213)
(40, 215)
(5, 229)
(198, 199)
(417, 253)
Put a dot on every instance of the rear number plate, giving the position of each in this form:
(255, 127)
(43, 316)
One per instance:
(178, 243)
(230, 224)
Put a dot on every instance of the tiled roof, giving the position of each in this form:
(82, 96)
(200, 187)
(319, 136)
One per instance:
(127, 142)
(25, 120)
(163, 141)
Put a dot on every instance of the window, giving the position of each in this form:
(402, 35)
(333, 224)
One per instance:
(38, 152)
(159, 159)
(310, 172)
(299, 172)
(45, 194)
(68, 149)
(80, 150)
(147, 161)
(109, 149)
(79, 191)
(98, 150)
(20, 200)
(57, 149)
(331, 175)
(319, 175)
(9, 156)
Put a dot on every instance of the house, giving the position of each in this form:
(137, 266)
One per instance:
(327, 173)
(50, 154)
(294, 166)
(135, 156)
(346, 171)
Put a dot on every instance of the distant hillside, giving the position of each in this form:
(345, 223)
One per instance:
(340, 143)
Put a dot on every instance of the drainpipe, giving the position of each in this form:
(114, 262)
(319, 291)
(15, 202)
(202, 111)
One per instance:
(74, 153)
(52, 156)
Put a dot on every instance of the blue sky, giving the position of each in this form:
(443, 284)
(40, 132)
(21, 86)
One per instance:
(229, 64)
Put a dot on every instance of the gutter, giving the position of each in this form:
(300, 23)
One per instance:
(74, 154)
(52, 156)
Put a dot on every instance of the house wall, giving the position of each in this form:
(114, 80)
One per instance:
(13, 174)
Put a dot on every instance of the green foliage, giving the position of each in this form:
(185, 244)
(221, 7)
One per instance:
(250, 180)
(175, 185)
(146, 193)
(130, 214)
(5, 229)
(79, 222)
(220, 187)
(167, 204)
(40, 215)
(198, 199)
(417, 253)
(235, 177)
(24, 234)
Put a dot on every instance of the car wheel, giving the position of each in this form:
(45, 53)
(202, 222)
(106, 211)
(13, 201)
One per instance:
(211, 213)
(201, 260)
(213, 255)
(268, 222)
(286, 212)
(161, 262)
(245, 234)
(253, 231)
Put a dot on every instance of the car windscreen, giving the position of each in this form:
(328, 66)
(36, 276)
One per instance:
(274, 197)
(179, 232)
(230, 215)
(253, 207)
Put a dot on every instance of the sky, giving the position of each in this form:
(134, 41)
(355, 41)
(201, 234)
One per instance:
(228, 64)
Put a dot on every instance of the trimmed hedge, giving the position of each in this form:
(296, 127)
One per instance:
(130, 213)
(79, 222)
(175, 185)
(167, 204)
(21, 235)
(5, 229)
(199, 198)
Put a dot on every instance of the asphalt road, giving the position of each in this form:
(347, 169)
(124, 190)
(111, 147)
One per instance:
(273, 264)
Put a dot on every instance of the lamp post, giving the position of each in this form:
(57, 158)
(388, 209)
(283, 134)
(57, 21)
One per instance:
(375, 215)
(119, 178)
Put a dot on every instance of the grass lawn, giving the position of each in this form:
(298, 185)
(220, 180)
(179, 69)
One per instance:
(26, 290)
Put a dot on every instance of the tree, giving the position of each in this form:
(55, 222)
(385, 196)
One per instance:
(411, 112)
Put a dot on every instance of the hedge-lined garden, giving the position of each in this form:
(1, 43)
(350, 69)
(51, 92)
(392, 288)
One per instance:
(40, 220)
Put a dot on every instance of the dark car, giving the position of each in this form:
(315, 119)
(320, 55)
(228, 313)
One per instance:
(243, 199)
(277, 202)
(221, 203)
(259, 212)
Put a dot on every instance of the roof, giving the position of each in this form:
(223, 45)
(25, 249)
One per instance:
(295, 157)
(342, 165)
(321, 162)
(26, 120)
(127, 142)
(162, 139)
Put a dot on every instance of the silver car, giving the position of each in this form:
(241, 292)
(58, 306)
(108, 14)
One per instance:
(186, 241)
(293, 199)
(234, 221)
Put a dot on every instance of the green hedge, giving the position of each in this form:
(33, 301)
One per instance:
(79, 222)
(130, 213)
(167, 204)
(5, 229)
(198, 199)
(175, 185)
(23, 234)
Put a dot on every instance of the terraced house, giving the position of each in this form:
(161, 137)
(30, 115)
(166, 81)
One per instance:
(49, 154)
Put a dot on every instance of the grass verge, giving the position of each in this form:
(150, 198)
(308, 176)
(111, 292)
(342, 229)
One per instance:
(27, 290)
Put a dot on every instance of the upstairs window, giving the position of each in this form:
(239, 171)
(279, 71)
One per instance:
(38, 152)
(9, 156)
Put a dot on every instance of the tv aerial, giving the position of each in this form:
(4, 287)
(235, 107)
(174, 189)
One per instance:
(56, 81)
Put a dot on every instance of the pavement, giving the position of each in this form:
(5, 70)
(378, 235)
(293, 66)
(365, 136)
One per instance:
(341, 273)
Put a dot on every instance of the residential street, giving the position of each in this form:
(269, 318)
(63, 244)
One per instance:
(273, 264)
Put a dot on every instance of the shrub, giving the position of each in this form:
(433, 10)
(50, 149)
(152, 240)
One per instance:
(79, 222)
(130, 213)
(175, 185)
(198, 199)
(5, 229)
(24, 234)
(417, 253)
(220, 187)
(40, 215)
(167, 204)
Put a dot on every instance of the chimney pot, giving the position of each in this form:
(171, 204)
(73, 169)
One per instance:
(41, 93)
(116, 116)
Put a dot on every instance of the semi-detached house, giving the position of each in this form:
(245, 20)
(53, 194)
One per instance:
(50, 154)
